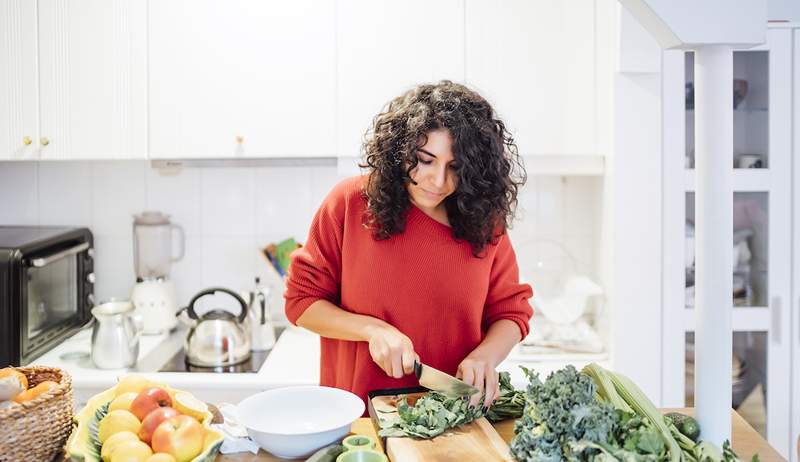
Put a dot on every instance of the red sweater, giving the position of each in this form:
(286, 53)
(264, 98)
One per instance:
(423, 282)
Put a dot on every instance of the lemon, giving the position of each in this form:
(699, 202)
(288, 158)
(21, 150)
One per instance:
(161, 457)
(131, 383)
(118, 420)
(123, 401)
(131, 451)
(113, 441)
(186, 403)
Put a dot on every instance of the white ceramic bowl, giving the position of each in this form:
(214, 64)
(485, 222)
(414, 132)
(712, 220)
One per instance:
(294, 422)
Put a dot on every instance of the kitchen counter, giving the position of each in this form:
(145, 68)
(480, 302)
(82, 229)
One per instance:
(746, 441)
(294, 360)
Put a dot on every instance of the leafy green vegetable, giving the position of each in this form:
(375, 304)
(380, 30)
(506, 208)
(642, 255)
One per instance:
(509, 404)
(430, 416)
(434, 413)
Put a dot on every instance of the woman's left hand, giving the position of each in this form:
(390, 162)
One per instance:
(479, 371)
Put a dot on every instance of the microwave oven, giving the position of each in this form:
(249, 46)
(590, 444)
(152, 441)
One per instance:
(46, 288)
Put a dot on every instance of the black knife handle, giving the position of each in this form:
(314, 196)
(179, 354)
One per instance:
(417, 369)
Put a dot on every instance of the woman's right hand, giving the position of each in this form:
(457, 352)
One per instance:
(391, 350)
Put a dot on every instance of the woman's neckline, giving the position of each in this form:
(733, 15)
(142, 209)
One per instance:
(429, 218)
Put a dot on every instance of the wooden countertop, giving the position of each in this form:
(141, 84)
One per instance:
(746, 441)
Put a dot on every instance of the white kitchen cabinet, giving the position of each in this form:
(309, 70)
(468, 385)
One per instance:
(535, 61)
(762, 298)
(794, 304)
(241, 79)
(73, 80)
(386, 47)
(19, 93)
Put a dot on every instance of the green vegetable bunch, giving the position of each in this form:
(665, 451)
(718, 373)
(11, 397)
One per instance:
(434, 413)
(430, 416)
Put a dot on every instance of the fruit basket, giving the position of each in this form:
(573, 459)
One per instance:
(85, 443)
(36, 425)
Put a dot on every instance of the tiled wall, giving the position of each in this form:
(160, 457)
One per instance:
(229, 213)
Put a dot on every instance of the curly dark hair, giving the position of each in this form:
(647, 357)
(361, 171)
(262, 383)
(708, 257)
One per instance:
(488, 165)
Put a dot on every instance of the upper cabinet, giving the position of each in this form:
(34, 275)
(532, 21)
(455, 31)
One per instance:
(19, 131)
(535, 61)
(242, 79)
(73, 80)
(386, 47)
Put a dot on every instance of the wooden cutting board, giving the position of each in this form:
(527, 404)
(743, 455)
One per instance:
(477, 440)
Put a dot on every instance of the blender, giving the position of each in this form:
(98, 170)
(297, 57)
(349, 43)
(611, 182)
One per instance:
(154, 293)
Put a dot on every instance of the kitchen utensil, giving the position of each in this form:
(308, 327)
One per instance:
(115, 335)
(262, 331)
(154, 294)
(293, 422)
(218, 338)
(435, 379)
(477, 440)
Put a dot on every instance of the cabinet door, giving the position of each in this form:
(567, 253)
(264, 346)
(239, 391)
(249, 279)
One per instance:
(387, 47)
(241, 78)
(92, 69)
(535, 62)
(18, 80)
(761, 299)
(794, 305)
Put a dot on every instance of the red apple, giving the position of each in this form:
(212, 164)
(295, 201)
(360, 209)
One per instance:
(181, 436)
(153, 420)
(148, 400)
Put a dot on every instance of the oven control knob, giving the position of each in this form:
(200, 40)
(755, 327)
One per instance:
(90, 299)
(90, 253)
(90, 278)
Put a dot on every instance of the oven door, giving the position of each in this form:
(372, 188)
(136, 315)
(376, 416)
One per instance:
(54, 297)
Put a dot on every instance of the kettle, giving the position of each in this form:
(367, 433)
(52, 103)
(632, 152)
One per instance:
(218, 338)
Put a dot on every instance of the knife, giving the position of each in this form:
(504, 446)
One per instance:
(437, 380)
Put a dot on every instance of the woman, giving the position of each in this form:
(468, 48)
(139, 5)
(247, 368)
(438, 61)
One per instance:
(412, 261)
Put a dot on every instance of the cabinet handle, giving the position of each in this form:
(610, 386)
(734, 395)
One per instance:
(44, 141)
(239, 139)
(27, 141)
(775, 329)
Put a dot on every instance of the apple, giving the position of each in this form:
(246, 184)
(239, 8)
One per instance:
(153, 420)
(148, 400)
(131, 451)
(181, 437)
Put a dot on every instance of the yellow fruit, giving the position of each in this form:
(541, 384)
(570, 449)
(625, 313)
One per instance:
(186, 403)
(131, 451)
(131, 383)
(113, 441)
(116, 421)
(161, 457)
(122, 401)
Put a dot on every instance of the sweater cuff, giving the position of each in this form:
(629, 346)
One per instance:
(520, 321)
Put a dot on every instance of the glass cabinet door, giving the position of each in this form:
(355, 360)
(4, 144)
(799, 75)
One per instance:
(761, 167)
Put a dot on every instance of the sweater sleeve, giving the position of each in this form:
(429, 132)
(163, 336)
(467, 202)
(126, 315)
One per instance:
(315, 270)
(507, 297)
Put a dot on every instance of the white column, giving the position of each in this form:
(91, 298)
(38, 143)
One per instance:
(713, 102)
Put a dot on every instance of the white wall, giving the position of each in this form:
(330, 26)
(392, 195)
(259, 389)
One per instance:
(229, 213)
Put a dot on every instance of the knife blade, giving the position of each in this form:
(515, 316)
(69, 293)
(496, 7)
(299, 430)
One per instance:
(442, 382)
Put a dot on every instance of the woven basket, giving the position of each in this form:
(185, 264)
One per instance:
(37, 430)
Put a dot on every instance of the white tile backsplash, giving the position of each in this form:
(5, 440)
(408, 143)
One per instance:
(176, 193)
(228, 214)
(228, 202)
(118, 193)
(65, 193)
(19, 193)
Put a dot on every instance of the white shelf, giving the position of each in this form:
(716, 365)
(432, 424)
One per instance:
(744, 180)
(564, 164)
(745, 319)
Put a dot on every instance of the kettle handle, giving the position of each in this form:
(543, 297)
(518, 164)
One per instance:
(213, 290)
